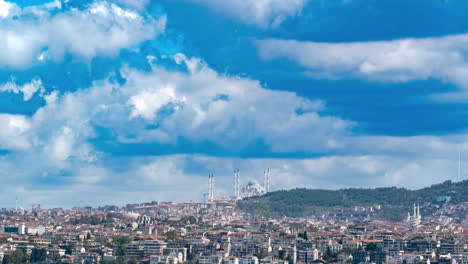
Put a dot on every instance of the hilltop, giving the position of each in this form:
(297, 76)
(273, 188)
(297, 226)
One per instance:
(396, 201)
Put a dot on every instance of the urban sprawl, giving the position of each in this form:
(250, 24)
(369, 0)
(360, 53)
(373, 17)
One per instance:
(216, 231)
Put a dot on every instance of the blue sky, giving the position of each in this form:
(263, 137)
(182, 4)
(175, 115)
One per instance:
(116, 101)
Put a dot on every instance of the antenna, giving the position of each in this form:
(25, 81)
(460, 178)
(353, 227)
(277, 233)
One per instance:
(268, 181)
(459, 164)
(210, 188)
(236, 184)
(209, 185)
(266, 176)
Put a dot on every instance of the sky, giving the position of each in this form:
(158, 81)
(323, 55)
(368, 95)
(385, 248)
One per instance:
(123, 101)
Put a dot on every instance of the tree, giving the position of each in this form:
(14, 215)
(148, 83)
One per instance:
(259, 255)
(38, 254)
(371, 247)
(329, 252)
(117, 261)
(17, 257)
(69, 248)
(121, 241)
(189, 219)
(6, 259)
(303, 235)
(171, 235)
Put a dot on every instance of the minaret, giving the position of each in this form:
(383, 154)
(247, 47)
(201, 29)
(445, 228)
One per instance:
(414, 210)
(235, 183)
(459, 165)
(210, 188)
(294, 258)
(266, 180)
(238, 184)
(419, 215)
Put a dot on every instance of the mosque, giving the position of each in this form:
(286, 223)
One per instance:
(415, 219)
(252, 188)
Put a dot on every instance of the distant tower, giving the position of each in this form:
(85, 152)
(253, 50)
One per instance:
(236, 184)
(418, 213)
(415, 220)
(294, 257)
(210, 188)
(459, 165)
(266, 179)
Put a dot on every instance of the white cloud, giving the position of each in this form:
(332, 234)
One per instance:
(62, 145)
(138, 4)
(192, 106)
(28, 89)
(262, 13)
(200, 105)
(147, 103)
(442, 58)
(5, 8)
(156, 106)
(183, 177)
(103, 29)
(13, 132)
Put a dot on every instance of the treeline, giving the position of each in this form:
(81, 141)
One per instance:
(301, 202)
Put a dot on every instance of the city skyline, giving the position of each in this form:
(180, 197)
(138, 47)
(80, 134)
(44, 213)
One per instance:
(121, 101)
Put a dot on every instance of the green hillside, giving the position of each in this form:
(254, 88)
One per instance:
(303, 202)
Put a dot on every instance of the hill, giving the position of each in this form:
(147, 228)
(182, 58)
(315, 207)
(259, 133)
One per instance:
(396, 201)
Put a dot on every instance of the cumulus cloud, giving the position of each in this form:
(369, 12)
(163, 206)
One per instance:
(232, 112)
(183, 177)
(138, 4)
(403, 60)
(5, 8)
(200, 105)
(28, 89)
(54, 146)
(103, 29)
(13, 132)
(262, 13)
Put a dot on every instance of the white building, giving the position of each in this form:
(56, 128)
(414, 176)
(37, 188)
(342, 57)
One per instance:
(415, 219)
(230, 260)
(248, 260)
(163, 260)
(153, 247)
(38, 230)
(210, 260)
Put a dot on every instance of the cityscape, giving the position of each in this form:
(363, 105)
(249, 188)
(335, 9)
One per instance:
(218, 231)
(233, 132)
